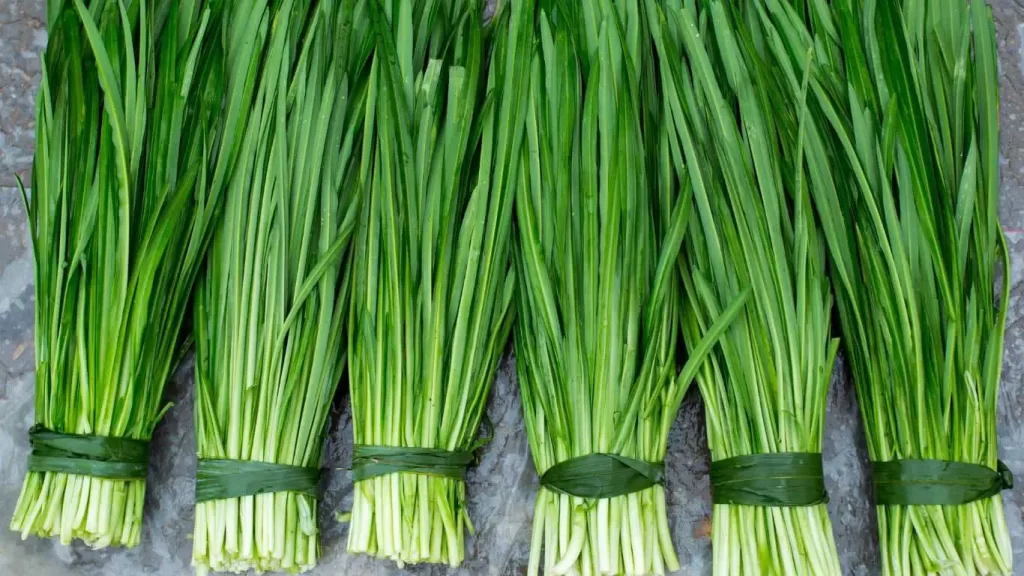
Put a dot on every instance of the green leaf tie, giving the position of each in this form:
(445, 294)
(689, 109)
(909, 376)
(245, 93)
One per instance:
(937, 482)
(602, 476)
(783, 480)
(218, 479)
(372, 461)
(98, 456)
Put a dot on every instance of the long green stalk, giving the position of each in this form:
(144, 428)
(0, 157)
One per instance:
(598, 297)
(271, 307)
(911, 187)
(120, 217)
(432, 288)
(738, 141)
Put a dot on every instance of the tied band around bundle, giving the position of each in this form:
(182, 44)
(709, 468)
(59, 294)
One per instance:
(372, 461)
(783, 480)
(913, 482)
(219, 479)
(602, 476)
(98, 456)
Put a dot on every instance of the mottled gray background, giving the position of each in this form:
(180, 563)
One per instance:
(501, 489)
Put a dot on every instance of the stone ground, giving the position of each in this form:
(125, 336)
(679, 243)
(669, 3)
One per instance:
(502, 487)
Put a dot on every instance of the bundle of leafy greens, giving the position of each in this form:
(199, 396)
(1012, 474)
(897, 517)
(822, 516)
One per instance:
(736, 139)
(598, 295)
(124, 200)
(432, 285)
(908, 193)
(271, 305)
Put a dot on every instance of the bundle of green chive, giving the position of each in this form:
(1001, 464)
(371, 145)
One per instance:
(598, 295)
(120, 216)
(738, 142)
(432, 285)
(909, 195)
(271, 307)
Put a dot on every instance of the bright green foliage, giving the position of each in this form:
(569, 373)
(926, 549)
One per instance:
(271, 307)
(908, 188)
(124, 200)
(737, 141)
(432, 288)
(598, 297)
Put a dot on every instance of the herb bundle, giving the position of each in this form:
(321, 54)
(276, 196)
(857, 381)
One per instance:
(120, 217)
(598, 296)
(271, 306)
(432, 285)
(910, 203)
(737, 141)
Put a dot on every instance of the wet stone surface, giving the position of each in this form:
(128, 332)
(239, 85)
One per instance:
(501, 488)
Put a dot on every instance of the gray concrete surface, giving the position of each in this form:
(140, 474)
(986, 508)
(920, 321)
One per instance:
(502, 487)
(22, 39)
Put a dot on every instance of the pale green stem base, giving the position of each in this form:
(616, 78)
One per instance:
(410, 519)
(274, 532)
(98, 511)
(968, 540)
(624, 535)
(763, 541)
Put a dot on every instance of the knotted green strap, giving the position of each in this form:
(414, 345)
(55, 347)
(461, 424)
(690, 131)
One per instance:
(937, 482)
(602, 476)
(372, 461)
(218, 479)
(785, 479)
(98, 456)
